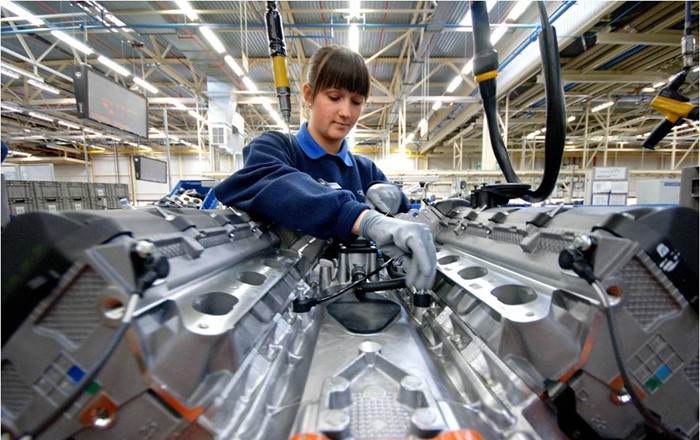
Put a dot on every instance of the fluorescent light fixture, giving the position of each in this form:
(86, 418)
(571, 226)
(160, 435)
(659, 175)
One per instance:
(41, 85)
(250, 84)
(19, 153)
(90, 130)
(11, 74)
(498, 33)
(518, 9)
(354, 38)
(145, 84)
(186, 9)
(72, 42)
(21, 72)
(437, 105)
(678, 127)
(41, 116)
(112, 65)
(212, 39)
(10, 107)
(571, 119)
(659, 84)
(174, 138)
(354, 6)
(22, 13)
(196, 115)
(697, 68)
(467, 69)
(453, 85)
(648, 90)
(68, 124)
(234, 65)
(177, 104)
(410, 137)
(602, 106)
(96, 147)
(145, 148)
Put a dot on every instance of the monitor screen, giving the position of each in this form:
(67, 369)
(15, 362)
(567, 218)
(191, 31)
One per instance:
(151, 170)
(103, 100)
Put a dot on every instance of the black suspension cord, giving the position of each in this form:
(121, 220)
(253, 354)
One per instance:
(486, 70)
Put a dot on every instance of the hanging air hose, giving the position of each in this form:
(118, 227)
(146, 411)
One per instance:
(486, 71)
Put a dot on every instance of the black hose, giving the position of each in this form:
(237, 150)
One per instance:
(556, 107)
(687, 27)
(377, 286)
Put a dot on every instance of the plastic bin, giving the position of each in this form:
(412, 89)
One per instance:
(76, 204)
(99, 190)
(75, 190)
(47, 190)
(52, 204)
(204, 187)
(20, 189)
(21, 206)
(119, 191)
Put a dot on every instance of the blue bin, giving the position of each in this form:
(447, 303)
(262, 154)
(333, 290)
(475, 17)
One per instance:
(205, 187)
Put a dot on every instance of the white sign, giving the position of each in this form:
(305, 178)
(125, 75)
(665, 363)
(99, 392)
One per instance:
(610, 173)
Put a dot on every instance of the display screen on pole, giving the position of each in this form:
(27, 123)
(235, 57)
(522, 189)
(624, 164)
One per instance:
(151, 170)
(103, 100)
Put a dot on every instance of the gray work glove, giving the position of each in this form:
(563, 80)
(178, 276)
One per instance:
(384, 197)
(398, 237)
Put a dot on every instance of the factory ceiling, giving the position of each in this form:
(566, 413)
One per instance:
(418, 53)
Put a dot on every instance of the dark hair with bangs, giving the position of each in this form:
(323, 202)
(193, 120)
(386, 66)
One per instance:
(338, 67)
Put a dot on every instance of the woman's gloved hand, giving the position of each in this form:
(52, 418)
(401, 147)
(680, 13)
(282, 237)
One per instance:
(384, 197)
(398, 238)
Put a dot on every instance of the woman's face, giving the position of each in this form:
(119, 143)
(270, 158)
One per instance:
(334, 112)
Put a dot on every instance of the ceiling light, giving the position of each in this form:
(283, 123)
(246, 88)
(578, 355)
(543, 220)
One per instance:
(453, 85)
(146, 85)
(43, 86)
(467, 69)
(11, 74)
(697, 68)
(648, 90)
(410, 137)
(196, 115)
(518, 10)
(21, 72)
(213, 39)
(10, 107)
(186, 9)
(354, 38)
(659, 84)
(19, 153)
(602, 106)
(112, 65)
(250, 84)
(68, 124)
(41, 116)
(177, 104)
(90, 130)
(497, 34)
(72, 42)
(437, 105)
(234, 65)
(571, 119)
(354, 6)
(22, 13)
(145, 148)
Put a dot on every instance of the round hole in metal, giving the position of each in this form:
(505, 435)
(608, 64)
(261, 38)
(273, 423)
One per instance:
(252, 278)
(448, 259)
(470, 273)
(214, 303)
(513, 294)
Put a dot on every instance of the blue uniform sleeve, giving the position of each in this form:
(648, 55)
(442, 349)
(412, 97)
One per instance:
(271, 188)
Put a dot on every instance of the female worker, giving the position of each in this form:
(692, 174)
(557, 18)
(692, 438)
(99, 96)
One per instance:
(313, 183)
